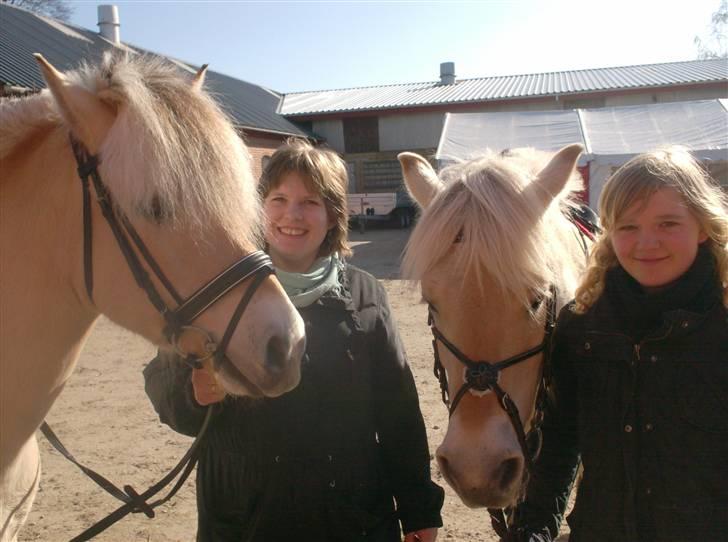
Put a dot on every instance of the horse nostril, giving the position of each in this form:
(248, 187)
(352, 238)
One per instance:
(276, 355)
(443, 463)
(508, 473)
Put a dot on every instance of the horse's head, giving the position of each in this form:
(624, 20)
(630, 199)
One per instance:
(493, 253)
(177, 170)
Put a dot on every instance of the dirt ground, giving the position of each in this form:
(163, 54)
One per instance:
(104, 418)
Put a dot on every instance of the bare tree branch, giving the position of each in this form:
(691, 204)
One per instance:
(57, 9)
(716, 44)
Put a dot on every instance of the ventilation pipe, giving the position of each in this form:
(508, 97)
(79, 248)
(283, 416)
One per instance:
(109, 23)
(447, 73)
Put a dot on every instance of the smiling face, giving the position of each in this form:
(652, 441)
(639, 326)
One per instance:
(297, 223)
(656, 240)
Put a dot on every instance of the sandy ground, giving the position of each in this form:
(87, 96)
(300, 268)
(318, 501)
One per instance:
(106, 421)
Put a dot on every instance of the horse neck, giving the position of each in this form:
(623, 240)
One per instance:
(44, 322)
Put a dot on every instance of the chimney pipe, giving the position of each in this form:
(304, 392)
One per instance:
(109, 23)
(447, 73)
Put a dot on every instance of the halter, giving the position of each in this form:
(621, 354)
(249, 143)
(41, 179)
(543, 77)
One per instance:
(484, 375)
(257, 264)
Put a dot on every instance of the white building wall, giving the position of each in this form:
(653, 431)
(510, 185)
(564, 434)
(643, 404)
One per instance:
(410, 131)
(541, 105)
(333, 131)
(661, 96)
(692, 94)
(629, 99)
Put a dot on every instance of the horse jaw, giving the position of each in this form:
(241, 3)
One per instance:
(88, 118)
(420, 179)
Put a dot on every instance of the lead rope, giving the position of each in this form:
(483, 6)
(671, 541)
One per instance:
(134, 502)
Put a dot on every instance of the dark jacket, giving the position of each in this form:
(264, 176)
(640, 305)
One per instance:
(640, 392)
(324, 461)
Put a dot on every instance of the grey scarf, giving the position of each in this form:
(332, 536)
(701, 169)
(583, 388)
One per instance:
(306, 288)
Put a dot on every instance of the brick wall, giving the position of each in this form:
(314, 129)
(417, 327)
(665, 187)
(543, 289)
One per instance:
(261, 145)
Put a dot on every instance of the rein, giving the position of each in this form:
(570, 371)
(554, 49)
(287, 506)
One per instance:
(256, 266)
(484, 375)
(134, 502)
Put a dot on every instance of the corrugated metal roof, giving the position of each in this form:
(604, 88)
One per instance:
(505, 87)
(23, 33)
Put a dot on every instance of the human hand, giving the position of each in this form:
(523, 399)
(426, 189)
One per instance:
(206, 388)
(423, 535)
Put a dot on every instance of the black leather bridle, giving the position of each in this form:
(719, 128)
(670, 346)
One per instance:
(484, 375)
(256, 265)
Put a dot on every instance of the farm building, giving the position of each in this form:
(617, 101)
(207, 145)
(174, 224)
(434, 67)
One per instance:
(370, 125)
(252, 108)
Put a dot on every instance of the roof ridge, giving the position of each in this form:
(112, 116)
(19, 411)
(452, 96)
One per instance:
(554, 72)
(361, 87)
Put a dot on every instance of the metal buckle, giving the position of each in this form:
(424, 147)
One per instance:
(210, 345)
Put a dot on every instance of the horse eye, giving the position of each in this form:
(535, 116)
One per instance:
(157, 213)
(536, 304)
(459, 237)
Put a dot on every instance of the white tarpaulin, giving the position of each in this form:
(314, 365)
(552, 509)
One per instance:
(614, 135)
(610, 135)
(630, 130)
(467, 135)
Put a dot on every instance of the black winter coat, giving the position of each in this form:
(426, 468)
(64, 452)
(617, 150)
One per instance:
(647, 415)
(342, 457)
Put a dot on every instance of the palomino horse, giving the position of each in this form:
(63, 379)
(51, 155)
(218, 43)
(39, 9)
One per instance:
(496, 257)
(178, 177)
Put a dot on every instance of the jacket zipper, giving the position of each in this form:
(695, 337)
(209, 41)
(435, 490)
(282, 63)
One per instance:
(638, 346)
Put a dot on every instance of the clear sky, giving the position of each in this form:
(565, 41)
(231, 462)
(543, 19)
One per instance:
(294, 46)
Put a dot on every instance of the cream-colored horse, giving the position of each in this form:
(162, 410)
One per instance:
(491, 247)
(176, 168)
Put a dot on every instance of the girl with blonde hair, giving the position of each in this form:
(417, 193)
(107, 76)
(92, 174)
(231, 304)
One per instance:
(640, 368)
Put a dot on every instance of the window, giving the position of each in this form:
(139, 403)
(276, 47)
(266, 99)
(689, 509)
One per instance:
(361, 134)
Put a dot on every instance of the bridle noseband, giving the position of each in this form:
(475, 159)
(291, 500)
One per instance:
(484, 375)
(178, 320)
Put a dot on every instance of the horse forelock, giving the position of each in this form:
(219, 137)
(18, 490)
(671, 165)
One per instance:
(502, 229)
(172, 149)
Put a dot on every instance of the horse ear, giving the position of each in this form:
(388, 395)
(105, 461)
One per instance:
(552, 179)
(419, 177)
(88, 118)
(199, 78)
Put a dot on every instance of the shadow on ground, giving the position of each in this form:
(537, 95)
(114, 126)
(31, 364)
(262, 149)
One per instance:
(379, 250)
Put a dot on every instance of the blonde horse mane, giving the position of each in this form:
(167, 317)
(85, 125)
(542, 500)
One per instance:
(501, 227)
(171, 152)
